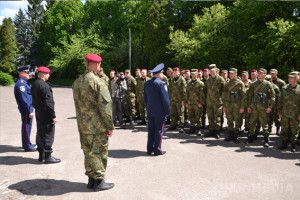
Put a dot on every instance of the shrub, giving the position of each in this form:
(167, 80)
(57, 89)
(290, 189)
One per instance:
(6, 79)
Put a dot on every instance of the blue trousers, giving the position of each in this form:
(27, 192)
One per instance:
(26, 130)
(155, 133)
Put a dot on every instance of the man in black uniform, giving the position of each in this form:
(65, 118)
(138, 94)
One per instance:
(42, 99)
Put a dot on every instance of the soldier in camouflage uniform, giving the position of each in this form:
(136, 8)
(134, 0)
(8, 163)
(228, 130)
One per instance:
(204, 80)
(289, 111)
(187, 77)
(273, 117)
(234, 99)
(215, 85)
(196, 101)
(261, 101)
(94, 119)
(279, 83)
(130, 112)
(140, 95)
(246, 116)
(178, 95)
(103, 76)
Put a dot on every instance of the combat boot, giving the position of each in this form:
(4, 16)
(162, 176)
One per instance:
(283, 145)
(100, 185)
(172, 127)
(278, 130)
(229, 136)
(181, 130)
(90, 184)
(191, 130)
(50, 159)
(293, 147)
(41, 156)
(250, 139)
(217, 134)
(266, 142)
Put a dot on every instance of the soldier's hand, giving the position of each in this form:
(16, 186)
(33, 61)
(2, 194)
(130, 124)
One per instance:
(249, 110)
(268, 110)
(31, 115)
(182, 104)
(109, 133)
(54, 120)
(200, 105)
(242, 110)
(224, 109)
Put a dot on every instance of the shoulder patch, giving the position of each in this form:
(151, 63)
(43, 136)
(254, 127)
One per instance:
(22, 88)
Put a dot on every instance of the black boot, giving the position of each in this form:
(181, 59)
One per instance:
(266, 141)
(172, 127)
(143, 122)
(283, 145)
(181, 130)
(278, 130)
(41, 156)
(130, 121)
(217, 134)
(235, 138)
(100, 185)
(50, 159)
(229, 136)
(250, 139)
(191, 130)
(293, 147)
(90, 184)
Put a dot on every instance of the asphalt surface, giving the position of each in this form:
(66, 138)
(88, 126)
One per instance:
(192, 168)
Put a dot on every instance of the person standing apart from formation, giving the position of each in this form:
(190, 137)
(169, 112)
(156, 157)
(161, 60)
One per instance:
(24, 101)
(93, 106)
(158, 107)
(43, 102)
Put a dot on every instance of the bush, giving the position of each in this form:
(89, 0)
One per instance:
(6, 79)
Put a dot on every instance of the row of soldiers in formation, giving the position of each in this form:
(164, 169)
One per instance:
(195, 95)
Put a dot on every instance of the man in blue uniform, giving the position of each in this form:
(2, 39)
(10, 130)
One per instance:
(158, 107)
(24, 101)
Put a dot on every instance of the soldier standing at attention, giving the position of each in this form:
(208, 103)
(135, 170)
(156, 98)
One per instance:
(204, 80)
(130, 113)
(94, 119)
(224, 74)
(187, 77)
(247, 82)
(177, 101)
(158, 107)
(215, 85)
(24, 101)
(253, 75)
(196, 101)
(140, 95)
(137, 77)
(234, 98)
(261, 100)
(289, 111)
(43, 102)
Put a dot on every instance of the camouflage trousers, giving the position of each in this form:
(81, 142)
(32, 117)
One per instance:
(95, 149)
(195, 114)
(234, 118)
(214, 112)
(130, 101)
(246, 116)
(274, 117)
(259, 115)
(290, 128)
(177, 113)
(141, 107)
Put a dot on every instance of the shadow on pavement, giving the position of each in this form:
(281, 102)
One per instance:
(125, 153)
(9, 148)
(17, 160)
(256, 147)
(48, 187)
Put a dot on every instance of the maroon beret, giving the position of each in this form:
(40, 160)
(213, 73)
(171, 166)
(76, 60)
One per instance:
(43, 69)
(253, 70)
(93, 58)
(205, 70)
(176, 69)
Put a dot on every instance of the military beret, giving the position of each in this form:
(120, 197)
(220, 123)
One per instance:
(233, 70)
(176, 69)
(262, 70)
(93, 58)
(205, 70)
(211, 66)
(224, 71)
(158, 69)
(268, 77)
(294, 74)
(274, 71)
(245, 73)
(194, 71)
(43, 69)
(199, 70)
(253, 70)
(24, 68)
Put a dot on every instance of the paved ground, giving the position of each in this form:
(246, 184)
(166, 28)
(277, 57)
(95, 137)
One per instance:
(191, 169)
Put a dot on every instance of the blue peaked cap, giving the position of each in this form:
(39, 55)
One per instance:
(25, 68)
(158, 68)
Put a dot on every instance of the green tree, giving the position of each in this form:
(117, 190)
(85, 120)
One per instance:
(22, 36)
(8, 46)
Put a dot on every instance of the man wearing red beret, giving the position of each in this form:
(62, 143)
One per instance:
(43, 102)
(93, 106)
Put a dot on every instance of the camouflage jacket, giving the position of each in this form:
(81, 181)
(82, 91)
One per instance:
(279, 82)
(195, 92)
(179, 89)
(140, 87)
(261, 94)
(131, 86)
(214, 89)
(234, 93)
(93, 104)
(289, 101)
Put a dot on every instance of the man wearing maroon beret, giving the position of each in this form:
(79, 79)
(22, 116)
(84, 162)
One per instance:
(43, 102)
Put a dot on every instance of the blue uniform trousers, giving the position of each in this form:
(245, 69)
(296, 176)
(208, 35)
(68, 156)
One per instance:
(26, 130)
(155, 133)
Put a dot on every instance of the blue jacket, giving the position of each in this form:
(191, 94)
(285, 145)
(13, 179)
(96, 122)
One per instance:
(156, 98)
(23, 96)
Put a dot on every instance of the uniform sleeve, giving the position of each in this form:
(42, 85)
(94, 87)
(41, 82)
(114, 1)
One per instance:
(243, 96)
(250, 96)
(183, 87)
(271, 102)
(24, 98)
(280, 101)
(202, 93)
(145, 94)
(224, 95)
(47, 96)
(164, 98)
